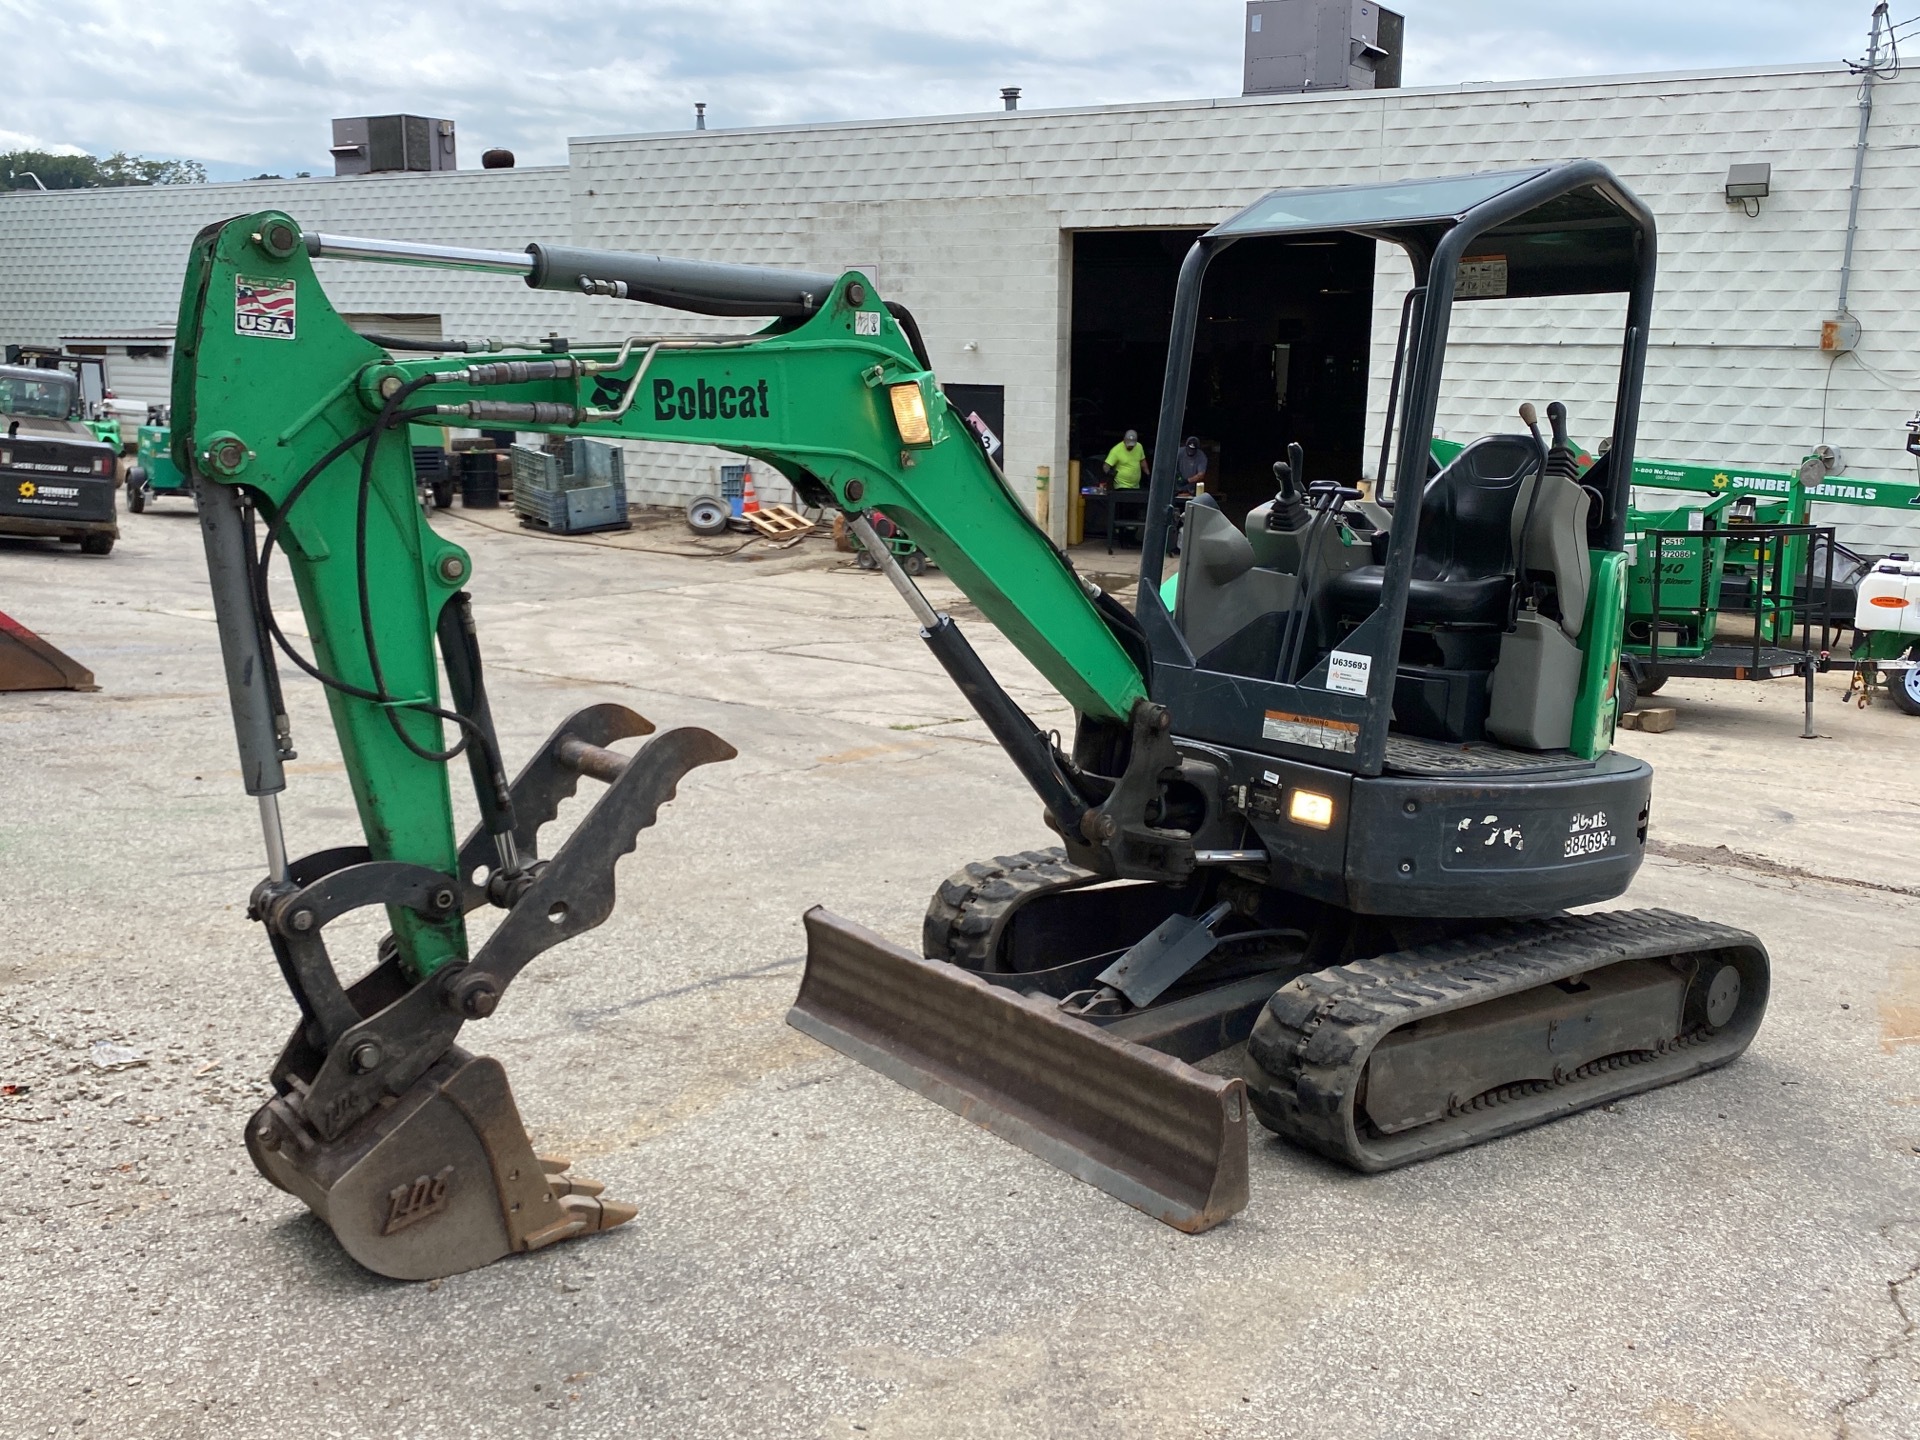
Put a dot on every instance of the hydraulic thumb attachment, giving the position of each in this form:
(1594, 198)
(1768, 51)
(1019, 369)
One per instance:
(411, 1149)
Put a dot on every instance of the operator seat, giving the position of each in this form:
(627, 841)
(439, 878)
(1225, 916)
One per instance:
(1463, 556)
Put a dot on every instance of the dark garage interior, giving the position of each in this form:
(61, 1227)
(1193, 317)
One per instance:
(1281, 355)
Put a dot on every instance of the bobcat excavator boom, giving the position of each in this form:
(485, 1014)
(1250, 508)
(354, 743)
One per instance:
(1331, 798)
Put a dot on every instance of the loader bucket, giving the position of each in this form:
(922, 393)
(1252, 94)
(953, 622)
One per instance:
(29, 663)
(441, 1181)
(1148, 1129)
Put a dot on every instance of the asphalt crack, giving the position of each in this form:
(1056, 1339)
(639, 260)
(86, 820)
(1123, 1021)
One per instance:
(1891, 1351)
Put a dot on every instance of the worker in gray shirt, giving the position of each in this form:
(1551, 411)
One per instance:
(1190, 469)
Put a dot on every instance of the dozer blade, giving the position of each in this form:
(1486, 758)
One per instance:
(441, 1181)
(1147, 1129)
(29, 663)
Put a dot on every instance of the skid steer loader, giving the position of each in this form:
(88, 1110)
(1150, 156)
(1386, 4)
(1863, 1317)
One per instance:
(1332, 797)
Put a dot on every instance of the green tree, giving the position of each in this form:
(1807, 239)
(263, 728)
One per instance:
(20, 168)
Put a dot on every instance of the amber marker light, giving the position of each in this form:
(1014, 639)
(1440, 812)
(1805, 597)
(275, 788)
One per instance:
(910, 413)
(1310, 808)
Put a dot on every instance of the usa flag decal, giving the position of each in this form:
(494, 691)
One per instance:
(263, 307)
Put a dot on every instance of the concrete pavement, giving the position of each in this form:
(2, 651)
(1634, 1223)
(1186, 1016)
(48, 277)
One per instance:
(820, 1253)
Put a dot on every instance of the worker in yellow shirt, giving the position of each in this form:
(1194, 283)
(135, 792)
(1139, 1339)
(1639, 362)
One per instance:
(1126, 462)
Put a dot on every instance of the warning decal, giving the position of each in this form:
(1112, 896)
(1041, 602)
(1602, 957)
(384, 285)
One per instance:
(1311, 731)
(263, 307)
(1481, 277)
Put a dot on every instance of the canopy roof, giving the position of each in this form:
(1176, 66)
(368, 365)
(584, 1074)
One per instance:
(1563, 229)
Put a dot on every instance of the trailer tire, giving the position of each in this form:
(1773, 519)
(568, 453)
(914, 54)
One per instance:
(136, 488)
(96, 544)
(1626, 693)
(708, 516)
(1904, 686)
(1650, 683)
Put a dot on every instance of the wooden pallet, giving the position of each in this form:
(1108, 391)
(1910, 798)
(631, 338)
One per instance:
(778, 522)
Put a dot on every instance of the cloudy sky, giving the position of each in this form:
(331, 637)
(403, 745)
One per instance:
(246, 88)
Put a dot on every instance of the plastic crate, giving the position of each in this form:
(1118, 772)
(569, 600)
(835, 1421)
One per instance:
(581, 488)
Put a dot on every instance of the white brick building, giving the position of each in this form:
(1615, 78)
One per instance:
(979, 224)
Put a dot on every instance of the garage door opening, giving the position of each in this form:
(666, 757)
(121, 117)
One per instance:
(1281, 354)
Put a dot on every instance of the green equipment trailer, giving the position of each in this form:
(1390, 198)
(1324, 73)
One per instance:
(1883, 652)
(153, 474)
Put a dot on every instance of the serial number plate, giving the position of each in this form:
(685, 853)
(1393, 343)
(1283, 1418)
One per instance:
(1496, 839)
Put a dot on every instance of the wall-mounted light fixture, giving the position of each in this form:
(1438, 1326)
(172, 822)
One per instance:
(1749, 184)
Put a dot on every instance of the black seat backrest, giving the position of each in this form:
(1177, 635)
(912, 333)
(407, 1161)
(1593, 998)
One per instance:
(1466, 511)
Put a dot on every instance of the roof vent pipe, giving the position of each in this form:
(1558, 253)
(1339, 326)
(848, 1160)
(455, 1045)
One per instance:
(700, 115)
(1011, 96)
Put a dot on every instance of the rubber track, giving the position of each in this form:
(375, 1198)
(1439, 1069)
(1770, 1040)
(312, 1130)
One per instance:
(1312, 1042)
(971, 908)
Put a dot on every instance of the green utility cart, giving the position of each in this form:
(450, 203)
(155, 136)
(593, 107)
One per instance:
(1691, 564)
(153, 475)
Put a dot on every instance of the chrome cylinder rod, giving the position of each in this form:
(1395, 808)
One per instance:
(275, 837)
(863, 531)
(409, 252)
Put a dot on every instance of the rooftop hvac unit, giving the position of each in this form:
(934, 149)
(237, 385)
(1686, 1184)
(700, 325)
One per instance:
(374, 144)
(1305, 45)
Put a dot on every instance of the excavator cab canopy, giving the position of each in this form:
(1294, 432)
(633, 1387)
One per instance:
(1545, 231)
(1580, 242)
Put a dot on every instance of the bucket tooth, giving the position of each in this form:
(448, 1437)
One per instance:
(442, 1181)
(1153, 1131)
(562, 1183)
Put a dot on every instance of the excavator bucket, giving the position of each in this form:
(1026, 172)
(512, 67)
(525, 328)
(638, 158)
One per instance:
(1146, 1128)
(410, 1148)
(452, 1152)
(29, 663)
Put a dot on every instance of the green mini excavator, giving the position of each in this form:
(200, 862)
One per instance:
(1332, 792)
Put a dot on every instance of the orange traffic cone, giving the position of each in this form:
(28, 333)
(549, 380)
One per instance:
(749, 502)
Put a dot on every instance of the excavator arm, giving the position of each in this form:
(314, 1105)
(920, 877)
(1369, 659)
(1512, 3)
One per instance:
(835, 398)
(294, 429)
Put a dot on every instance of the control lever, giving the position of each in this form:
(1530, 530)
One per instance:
(1289, 509)
(1557, 418)
(1531, 419)
(1522, 592)
(1324, 495)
